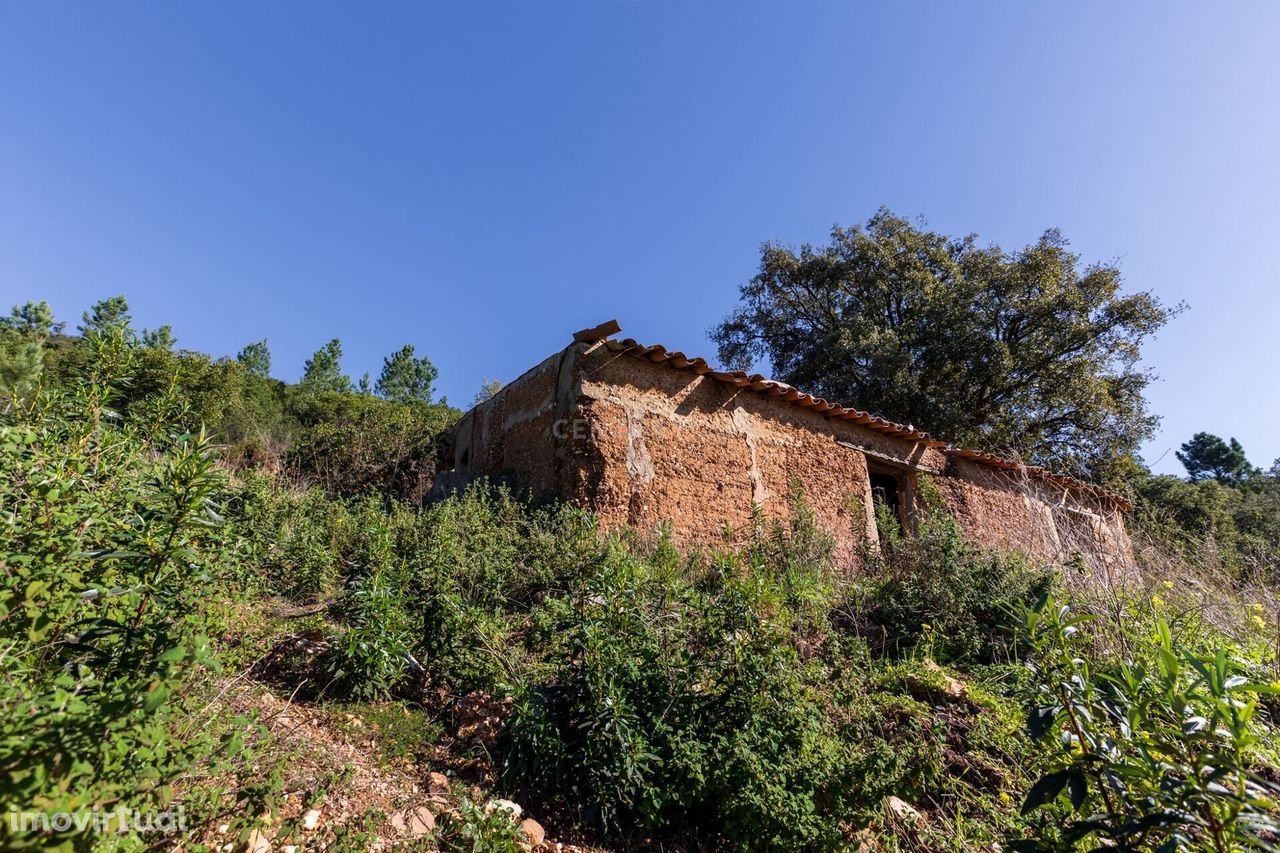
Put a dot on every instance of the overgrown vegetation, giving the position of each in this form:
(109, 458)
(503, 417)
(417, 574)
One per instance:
(938, 588)
(1232, 515)
(751, 694)
(1157, 750)
(111, 540)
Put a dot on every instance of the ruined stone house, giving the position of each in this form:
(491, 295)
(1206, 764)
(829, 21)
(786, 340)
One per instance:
(644, 436)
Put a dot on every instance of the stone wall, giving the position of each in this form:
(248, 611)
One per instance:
(643, 444)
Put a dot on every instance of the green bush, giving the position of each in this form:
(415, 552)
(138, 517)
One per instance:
(355, 444)
(484, 565)
(1238, 523)
(109, 545)
(347, 443)
(942, 593)
(370, 658)
(1154, 752)
(681, 703)
(476, 830)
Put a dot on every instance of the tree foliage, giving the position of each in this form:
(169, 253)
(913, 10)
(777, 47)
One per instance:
(161, 338)
(22, 345)
(1208, 456)
(489, 388)
(106, 314)
(256, 358)
(1026, 353)
(21, 362)
(1224, 502)
(323, 371)
(33, 318)
(405, 378)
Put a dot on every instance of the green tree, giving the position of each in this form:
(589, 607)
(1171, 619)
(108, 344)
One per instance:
(1207, 456)
(22, 344)
(161, 338)
(33, 319)
(488, 390)
(323, 371)
(106, 314)
(406, 379)
(256, 358)
(1025, 353)
(21, 362)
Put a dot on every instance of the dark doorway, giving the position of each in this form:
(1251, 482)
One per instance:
(887, 489)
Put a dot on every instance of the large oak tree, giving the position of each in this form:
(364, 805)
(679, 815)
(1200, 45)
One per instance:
(1027, 353)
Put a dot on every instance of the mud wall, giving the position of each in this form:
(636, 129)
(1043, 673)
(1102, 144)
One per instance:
(510, 438)
(669, 446)
(642, 444)
(1045, 521)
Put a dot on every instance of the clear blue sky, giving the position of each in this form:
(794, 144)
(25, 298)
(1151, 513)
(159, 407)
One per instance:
(481, 180)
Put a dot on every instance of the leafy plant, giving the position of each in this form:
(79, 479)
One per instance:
(1152, 754)
(370, 658)
(479, 830)
(678, 697)
(108, 545)
(938, 585)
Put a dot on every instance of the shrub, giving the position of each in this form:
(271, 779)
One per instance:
(684, 705)
(109, 546)
(475, 830)
(1154, 752)
(482, 564)
(347, 443)
(354, 444)
(370, 658)
(939, 586)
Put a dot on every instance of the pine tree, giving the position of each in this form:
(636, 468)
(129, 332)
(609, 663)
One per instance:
(22, 340)
(21, 362)
(406, 379)
(256, 358)
(323, 371)
(34, 319)
(1208, 456)
(106, 314)
(161, 338)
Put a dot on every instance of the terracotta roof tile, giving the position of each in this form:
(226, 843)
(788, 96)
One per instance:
(598, 333)
(755, 382)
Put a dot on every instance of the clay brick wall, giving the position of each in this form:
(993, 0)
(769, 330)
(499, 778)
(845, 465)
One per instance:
(643, 444)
